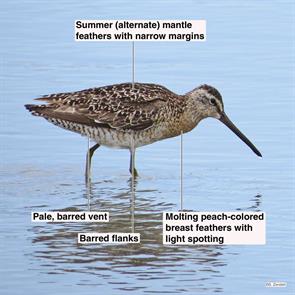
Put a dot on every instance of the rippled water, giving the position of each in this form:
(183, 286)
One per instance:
(248, 57)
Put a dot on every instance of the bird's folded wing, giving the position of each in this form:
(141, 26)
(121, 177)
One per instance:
(117, 107)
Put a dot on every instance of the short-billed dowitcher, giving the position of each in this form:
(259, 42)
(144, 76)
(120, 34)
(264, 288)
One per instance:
(124, 114)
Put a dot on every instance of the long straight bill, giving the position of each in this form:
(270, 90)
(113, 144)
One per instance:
(226, 121)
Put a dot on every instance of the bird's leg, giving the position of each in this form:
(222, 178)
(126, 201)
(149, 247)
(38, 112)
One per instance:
(132, 159)
(88, 161)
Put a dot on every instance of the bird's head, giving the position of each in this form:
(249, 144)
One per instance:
(208, 102)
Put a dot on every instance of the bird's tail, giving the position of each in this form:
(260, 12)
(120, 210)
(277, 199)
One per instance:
(51, 113)
(36, 110)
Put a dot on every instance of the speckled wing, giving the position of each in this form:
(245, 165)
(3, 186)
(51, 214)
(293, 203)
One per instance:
(117, 106)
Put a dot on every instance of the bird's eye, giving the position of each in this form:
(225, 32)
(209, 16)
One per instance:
(213, 101)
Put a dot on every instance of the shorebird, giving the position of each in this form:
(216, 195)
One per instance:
(136, 114)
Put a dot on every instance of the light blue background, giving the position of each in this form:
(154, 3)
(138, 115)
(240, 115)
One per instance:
(248, 56)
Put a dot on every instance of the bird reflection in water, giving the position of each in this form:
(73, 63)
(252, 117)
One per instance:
(129, 266)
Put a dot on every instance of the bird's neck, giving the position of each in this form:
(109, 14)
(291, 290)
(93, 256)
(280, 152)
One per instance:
(191, 116)
(189, 121)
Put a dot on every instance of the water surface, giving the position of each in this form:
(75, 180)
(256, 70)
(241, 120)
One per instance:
(248, 56)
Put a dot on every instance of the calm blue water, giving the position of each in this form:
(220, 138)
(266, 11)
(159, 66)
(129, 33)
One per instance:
(248, 57)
